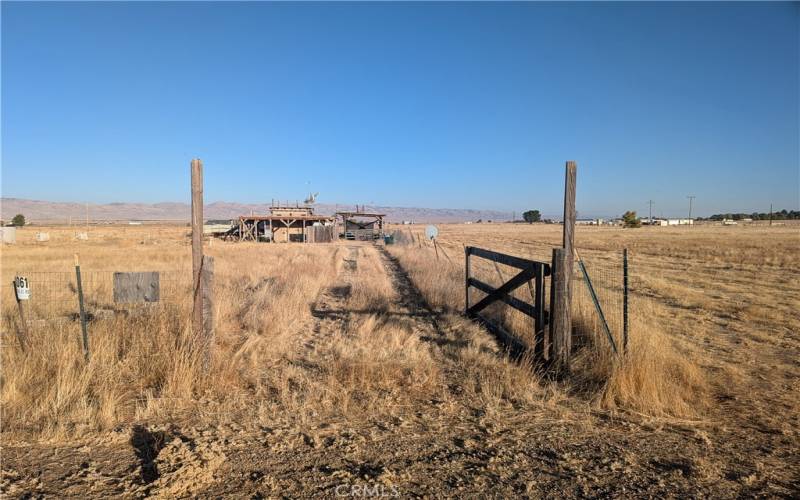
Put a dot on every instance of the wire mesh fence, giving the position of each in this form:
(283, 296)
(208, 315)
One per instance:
(54, 296)
(614, 293)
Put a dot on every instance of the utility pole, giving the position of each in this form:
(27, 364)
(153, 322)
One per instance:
(651, 212)
(691, 199)
(87, 215)
(770, 214)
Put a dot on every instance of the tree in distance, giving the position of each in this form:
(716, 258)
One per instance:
(531, 216)
(18, 220)
(629, 219)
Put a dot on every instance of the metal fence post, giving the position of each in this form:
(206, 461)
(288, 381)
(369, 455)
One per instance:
(625, 299)
(82, 310)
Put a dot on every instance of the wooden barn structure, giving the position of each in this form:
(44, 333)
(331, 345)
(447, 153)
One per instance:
(361, 225)
(285, 223)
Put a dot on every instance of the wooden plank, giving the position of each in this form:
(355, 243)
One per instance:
(466, 276)
(197, 244)
(502, 258)
(540, 346)
(136, 287)
(560, 317)
(507, 287)
(514, 302)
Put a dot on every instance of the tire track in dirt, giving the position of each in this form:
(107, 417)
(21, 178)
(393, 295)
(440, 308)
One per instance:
(410, 299)
(428, 323)
(329, 311)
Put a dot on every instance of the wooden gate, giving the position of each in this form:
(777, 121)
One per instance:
(530, 270)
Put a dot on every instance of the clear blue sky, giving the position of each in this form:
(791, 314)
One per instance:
(436, 105)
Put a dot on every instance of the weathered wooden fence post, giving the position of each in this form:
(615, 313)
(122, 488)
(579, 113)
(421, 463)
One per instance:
(207, 284)
(561, 289)
(197, 249)
(22, 294)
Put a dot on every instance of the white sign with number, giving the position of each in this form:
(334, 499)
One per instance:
(22, 288)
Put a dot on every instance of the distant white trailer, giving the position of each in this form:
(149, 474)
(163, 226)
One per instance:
(215, 228)
(9, 235)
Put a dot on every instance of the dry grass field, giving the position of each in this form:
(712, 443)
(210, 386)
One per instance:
(346, 369)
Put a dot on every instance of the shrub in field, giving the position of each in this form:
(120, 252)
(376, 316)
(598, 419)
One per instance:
(18, 220)
(629, 219)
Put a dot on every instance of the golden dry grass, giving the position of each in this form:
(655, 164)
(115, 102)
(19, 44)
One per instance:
(306, 332)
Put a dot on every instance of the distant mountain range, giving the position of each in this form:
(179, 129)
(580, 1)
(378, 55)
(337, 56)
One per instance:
(37, 211)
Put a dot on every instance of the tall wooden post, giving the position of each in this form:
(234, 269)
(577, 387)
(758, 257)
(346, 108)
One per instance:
(561, 289)
(197, 246)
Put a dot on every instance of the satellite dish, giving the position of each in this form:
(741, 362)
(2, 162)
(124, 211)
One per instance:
(431, 232)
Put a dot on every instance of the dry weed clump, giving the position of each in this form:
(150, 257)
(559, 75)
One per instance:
(653, 377)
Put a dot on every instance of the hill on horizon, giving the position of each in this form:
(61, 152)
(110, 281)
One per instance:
(48, 211)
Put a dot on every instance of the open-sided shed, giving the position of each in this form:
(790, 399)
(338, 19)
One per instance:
(285, 224)
(361, 225)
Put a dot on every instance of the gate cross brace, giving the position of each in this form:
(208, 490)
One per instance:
(518, 280)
